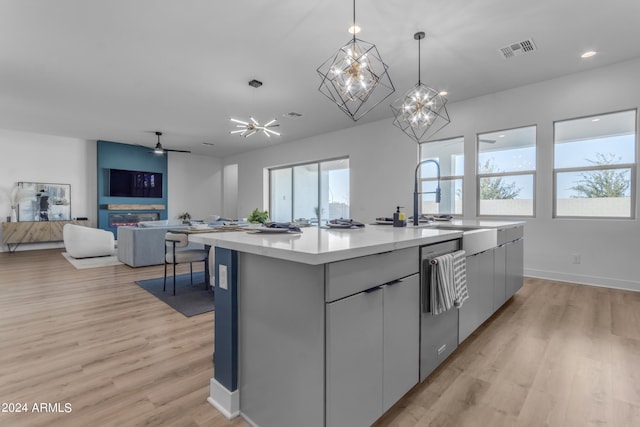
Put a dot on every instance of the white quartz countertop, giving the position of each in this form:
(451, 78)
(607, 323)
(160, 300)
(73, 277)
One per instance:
(475, 223)
(319, 246)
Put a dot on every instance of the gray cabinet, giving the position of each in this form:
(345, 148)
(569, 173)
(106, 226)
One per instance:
(401, 344)
(480, 282)
(500, 278)
(514, 266)
(372, 351)
(354, 360)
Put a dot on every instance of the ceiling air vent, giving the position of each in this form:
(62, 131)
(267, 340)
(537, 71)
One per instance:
(516, 49)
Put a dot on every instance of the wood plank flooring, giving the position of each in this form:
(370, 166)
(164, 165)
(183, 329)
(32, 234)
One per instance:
(557, 354)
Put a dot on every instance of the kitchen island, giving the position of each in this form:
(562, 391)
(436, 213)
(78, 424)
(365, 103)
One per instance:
(320, 328)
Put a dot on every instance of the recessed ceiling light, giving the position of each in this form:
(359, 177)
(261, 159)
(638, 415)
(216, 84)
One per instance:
(354, 29)
(443, 93)
(501, 136)
(588, 54)
(595, 120)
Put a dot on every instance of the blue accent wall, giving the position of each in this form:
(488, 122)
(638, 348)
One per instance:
(225, 357)
(114, 155)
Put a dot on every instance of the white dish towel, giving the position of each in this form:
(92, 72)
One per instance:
(448, 282)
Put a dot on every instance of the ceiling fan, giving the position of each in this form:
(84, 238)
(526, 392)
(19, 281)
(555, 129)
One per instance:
(159, 149)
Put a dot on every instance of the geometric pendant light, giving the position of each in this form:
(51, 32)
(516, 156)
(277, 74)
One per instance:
(356, 77)
(422, 111)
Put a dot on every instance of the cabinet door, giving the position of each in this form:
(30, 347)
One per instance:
(515, 266)
(487, 278)
(468, 313)
(354, 360)
(479, 306)
(500, 283)
(26, 232)
(401, 338)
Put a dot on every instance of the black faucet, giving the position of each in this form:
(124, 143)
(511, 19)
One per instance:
(415, 188)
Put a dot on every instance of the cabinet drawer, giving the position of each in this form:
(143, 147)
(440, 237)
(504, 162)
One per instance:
(502, 236)
(515, 233)
(344, 278)
(506, 235)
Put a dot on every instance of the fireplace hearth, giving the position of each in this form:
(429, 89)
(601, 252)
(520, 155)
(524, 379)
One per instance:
(131, 218)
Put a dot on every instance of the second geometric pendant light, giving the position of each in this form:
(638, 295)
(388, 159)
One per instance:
(422, 111)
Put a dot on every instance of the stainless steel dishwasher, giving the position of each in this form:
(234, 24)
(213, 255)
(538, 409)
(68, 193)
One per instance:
(438, 334)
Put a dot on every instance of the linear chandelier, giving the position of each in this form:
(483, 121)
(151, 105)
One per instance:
(422, 111)
(252, 126)
(356, 77)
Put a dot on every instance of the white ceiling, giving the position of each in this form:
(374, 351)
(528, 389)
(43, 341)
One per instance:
(119, 70)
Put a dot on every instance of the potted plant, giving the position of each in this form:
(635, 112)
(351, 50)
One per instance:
(16, 196)
(258, 216)
(185, 217)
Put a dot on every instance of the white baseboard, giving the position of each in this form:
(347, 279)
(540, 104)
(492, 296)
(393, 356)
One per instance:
(249, 420)
(225, 401)
(604, 282)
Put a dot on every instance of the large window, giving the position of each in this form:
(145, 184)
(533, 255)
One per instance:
(506, 172)
(449, 154)
(595, 166)
(316, 191)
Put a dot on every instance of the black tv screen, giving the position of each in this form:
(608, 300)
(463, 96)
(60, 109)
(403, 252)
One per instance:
(125, 183)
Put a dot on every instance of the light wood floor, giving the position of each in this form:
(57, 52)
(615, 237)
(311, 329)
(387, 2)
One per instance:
(557, 354)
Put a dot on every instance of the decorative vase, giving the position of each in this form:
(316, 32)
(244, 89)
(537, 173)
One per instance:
(14, 216)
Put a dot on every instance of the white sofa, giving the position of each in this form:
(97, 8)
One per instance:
(87, 242)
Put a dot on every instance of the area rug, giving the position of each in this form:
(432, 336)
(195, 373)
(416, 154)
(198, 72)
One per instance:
(101, 261)
(190, 300)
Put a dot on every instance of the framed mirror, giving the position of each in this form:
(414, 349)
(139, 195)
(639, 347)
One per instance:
(49, 202)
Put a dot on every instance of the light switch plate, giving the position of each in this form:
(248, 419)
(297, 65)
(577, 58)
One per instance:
(224, 284)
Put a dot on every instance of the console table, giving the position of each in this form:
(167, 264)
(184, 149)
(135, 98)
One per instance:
(15, 233)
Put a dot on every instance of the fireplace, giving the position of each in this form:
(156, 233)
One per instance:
(131, 218)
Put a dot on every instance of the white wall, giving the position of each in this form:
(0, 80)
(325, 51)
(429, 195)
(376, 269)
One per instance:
(383, 160)
(230, 191)
(195, 185)
(380, 159)
(43, 158)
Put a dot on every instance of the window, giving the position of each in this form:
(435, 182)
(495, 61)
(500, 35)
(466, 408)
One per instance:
(449, 153)
(595, 166)
(506, 172)
(316, 191)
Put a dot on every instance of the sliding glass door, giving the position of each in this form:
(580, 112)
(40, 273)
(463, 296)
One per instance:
(317, 191)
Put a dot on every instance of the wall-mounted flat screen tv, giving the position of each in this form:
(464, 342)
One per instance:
(126, 183)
